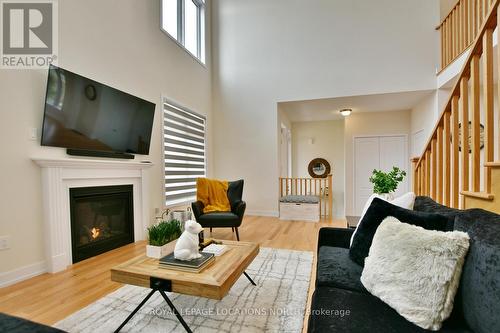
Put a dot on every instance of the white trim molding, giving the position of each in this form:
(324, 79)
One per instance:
(270, 213)
(59, 175)
(22, 273)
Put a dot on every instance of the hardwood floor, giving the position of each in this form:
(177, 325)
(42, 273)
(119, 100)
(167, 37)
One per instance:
(48, 298)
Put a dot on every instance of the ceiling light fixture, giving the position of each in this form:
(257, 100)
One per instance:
(345, 112)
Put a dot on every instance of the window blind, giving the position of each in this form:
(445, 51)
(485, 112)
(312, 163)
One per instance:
(184, 152)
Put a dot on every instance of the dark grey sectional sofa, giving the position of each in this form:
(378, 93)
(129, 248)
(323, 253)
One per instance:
(340, 303)
(13, 324)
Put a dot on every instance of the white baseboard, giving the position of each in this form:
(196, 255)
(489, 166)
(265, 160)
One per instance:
(270, 213)
(22, 273)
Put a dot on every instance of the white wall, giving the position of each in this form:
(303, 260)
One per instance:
(445, 6)
(423, 118)
(328, 143)
(119, 44)
(371, 124)
(284, 50)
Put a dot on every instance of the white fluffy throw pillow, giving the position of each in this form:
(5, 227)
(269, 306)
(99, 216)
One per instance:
(415, 271)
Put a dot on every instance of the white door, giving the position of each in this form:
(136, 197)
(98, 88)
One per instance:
(380, 153)
(366, 158)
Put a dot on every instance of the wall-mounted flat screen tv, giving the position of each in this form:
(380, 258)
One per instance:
(81, 113)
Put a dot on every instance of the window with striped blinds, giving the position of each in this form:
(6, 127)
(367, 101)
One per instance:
(184, 152)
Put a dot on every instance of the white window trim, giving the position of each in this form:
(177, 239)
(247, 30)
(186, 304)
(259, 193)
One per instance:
(166, 100)
(202, 29)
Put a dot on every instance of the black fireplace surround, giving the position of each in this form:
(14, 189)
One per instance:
(102, 219)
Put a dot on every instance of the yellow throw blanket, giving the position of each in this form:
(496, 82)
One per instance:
(213, 194)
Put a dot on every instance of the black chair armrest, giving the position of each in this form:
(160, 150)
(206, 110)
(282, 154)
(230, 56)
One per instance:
(335, 237)
(197, 207)
(239, 209)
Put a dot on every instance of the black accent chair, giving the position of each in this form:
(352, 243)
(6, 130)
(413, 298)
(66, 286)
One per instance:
(230, 219)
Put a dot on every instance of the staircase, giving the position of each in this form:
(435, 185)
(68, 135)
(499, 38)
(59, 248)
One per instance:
(460, 27)
(492, 201)
(466, 173)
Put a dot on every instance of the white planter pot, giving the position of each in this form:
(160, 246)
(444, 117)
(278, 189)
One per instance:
(157, 251)
(387, 196)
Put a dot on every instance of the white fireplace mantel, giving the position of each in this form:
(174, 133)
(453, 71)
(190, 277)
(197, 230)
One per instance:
(61, 174)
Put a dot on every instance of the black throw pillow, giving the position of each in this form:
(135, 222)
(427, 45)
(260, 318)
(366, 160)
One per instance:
(377, 212)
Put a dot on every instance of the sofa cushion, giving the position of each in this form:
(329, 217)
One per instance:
(336, 269)
(426, 204)
(310, 199)
(337, 310)
(480, 284)
(219, 220)
(377, 212)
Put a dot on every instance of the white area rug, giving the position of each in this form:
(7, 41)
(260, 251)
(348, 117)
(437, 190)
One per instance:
(277, 304)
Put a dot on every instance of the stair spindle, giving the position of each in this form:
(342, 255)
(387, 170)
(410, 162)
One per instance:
(476, 158)
(488, 105)
(447, 158)
(456, 156)
(434, 168)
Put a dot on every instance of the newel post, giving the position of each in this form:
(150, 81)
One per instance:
(330, 196)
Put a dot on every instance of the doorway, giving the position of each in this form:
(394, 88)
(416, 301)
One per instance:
(377, 152)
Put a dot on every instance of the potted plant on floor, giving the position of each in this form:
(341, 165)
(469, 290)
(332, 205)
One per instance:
(161, 234)
(384, 183)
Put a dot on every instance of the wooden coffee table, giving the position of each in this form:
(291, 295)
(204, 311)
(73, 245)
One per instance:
(213, 282)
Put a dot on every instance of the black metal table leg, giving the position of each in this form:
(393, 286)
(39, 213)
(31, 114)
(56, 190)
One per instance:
(177, 314)
(135, 310)
(170, 304)
(249, 278)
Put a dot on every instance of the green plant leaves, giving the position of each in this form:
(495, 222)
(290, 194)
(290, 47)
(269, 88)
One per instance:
(164, 232)
(387, 182)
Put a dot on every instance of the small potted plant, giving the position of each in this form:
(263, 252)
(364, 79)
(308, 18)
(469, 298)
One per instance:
(161, 234)
(384, 183)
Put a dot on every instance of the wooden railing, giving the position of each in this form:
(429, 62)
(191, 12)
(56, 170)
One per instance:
(321, 187)
(446, 168)
(460, 27)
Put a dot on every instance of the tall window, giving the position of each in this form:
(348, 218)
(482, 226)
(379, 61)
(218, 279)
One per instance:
(184, 21)
(184, 152)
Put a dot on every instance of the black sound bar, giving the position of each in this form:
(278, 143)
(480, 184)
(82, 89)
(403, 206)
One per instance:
(96, 153)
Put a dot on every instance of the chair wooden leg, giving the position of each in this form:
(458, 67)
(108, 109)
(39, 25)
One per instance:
(237, 235)
(232, 229)
(210, 230)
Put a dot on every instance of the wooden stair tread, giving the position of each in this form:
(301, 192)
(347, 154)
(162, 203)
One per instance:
(492, 164)
(479, 195)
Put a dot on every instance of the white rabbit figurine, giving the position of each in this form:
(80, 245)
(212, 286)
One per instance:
(186, 247)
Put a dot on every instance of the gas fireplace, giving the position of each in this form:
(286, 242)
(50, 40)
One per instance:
(102, 219)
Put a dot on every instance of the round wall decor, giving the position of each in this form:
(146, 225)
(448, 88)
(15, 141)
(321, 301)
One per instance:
(481, 136)
(319, 168)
